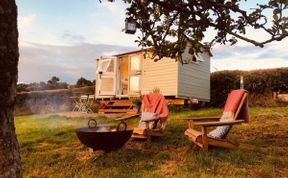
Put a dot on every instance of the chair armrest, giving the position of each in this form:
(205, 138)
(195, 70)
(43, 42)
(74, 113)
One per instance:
(211, 124)
(126, 117)
(197, 119)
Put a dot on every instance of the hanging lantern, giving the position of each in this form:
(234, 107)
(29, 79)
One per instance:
(130, 25)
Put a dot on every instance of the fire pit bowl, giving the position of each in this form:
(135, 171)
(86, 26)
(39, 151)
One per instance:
(103, 137)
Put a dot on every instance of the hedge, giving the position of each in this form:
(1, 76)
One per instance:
(261, 84)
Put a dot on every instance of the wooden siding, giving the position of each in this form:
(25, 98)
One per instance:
(161, 74)
(97, 81)
(172, 78)
(107, 84)
(103, 84)
(194, 79)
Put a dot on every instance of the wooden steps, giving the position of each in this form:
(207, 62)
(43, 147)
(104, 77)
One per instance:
(126, 106)
(118, 106)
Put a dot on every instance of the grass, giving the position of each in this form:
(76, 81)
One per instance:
(49, 148)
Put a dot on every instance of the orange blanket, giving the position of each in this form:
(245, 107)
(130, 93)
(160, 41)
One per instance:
(156, 103)
(232, 104)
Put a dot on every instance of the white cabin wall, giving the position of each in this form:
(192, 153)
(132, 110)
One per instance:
(97, 81)
(194, 79)
(161, 74)
(172, 78)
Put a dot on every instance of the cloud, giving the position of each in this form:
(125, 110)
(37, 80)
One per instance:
(69, 37)
(40, 62)
(278, 50)
(115, 36)
(273, 55)
(225, 51)
(26, 21)
(273, 50)
(248, 64)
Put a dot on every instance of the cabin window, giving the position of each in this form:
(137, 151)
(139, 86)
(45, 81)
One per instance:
(190, 59)
(194, 59)
(135, 83)
(106, 65)
(199, 57)
(110, 67)
(135, 63)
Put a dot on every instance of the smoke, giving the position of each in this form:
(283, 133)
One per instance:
(42, 102)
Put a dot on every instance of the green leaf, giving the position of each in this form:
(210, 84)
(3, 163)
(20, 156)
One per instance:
(275, 17)
(276, 11)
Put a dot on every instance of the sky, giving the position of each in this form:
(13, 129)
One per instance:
(64, 37)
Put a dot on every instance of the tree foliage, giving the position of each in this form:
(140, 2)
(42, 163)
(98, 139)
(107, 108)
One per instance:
(53, 83)
(82, 82)
(170, 25)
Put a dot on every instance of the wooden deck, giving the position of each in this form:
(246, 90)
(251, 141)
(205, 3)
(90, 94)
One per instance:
(88, 115)
(175, 102)
(126, 106)
(118, 106)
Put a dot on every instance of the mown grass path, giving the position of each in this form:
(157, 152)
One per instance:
(49, 148)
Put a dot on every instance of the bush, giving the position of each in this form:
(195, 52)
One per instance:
(83, 90)
(221, 84)
(82, 82)
(261, 85)
(51, 84)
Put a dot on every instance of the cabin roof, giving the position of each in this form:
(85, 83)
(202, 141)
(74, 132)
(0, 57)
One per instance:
(131, 52)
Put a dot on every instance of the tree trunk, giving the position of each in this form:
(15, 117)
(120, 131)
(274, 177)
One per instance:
(9, 56)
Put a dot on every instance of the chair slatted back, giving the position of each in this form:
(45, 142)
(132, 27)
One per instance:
(240, 106)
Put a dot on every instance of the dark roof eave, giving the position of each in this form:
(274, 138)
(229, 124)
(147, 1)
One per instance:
(131, 52)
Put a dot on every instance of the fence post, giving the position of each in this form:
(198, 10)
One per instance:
(241, 82)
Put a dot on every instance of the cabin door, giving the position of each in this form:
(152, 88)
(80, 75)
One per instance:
(122, 76)
(135, 67)
(106, 71)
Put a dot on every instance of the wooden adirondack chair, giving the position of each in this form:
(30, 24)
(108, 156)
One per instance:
(151, 103)
(235, 112)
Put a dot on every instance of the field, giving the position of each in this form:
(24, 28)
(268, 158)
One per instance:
(49, 148)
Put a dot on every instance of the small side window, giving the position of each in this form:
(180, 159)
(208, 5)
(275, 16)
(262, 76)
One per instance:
(105, 65)
(135, 63)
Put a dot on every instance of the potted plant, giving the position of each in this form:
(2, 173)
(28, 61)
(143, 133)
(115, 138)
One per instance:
(156, 90)
(136, 103)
